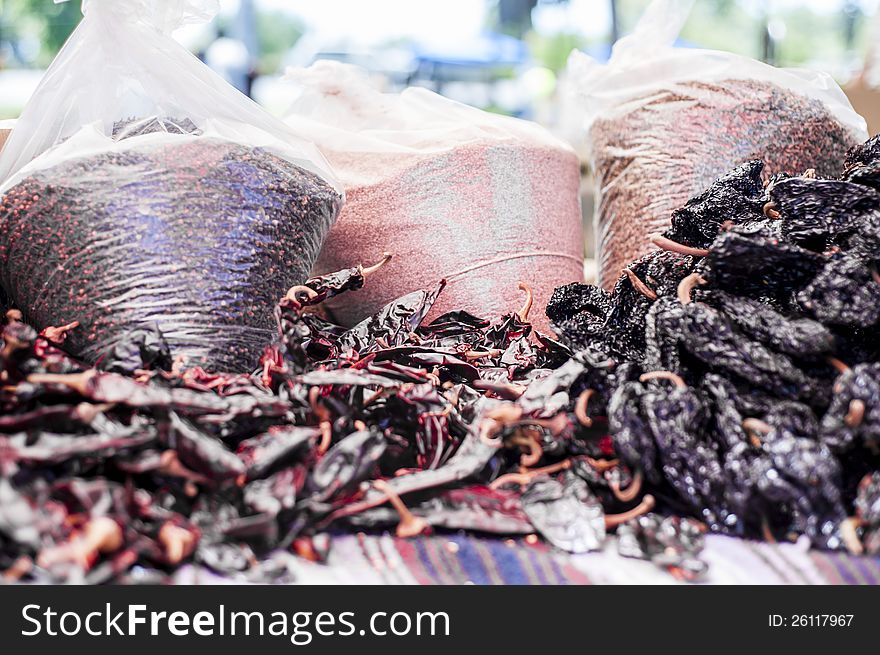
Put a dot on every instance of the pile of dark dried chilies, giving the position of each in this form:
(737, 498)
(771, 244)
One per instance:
(729, 383)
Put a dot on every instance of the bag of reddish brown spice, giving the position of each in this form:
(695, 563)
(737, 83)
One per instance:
(481, 200)
(140, 190)
(659, 124)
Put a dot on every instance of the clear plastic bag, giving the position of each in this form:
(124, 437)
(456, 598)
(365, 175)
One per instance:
(482, 200)
(140, 188)
(659, 124)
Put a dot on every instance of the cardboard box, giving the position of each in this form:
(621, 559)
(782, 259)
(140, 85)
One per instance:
(5, 128)
(866, 101)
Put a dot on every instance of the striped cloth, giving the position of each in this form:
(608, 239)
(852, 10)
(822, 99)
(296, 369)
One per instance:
(466, 559)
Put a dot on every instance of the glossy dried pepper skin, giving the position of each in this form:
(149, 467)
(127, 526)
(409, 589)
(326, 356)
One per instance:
(566, 513)
(759, 265)
(726, 418)
(392, 324)
(820, 212)
(864, 154)
(202, 452)
(140, 349)
(673, 543)
(660, 272)
(854, 413)
(677, 417)
(845, 293)
(867, 502)
(475, 507)
(348, 463)
(632, 437)
(662, 336)
(802, 337)
(709, 336)
(578, 313)
(735, 197)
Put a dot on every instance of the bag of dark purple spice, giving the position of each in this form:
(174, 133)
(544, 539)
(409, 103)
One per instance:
(660, 124)
(140, 189)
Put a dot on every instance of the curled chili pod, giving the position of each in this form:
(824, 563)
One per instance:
(820, 212)
(348, 463)
(735, 197)
(279, 447)
(393, 324)
(202, 452)
(565, 513)
(318, 289)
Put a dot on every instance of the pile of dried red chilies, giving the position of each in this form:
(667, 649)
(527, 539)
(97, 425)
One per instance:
(726, 385)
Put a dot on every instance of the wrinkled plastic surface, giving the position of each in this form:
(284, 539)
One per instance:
(452, 192)
(661, 123)
(140, 188)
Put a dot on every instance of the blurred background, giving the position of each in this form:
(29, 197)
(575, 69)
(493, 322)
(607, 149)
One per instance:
(501, 55)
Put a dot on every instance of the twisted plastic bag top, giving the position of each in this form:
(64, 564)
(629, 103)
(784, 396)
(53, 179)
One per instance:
(341, 109)
(121, 63)
(645, 60)
(165, 16)
(659, 124)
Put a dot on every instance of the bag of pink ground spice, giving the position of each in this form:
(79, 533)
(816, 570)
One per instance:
(482, 200)
(662, 123)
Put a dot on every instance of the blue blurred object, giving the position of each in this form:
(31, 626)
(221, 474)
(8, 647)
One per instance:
(486, 50)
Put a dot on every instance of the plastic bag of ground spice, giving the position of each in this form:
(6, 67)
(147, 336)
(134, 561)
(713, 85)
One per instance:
(140, 189)
(661, 123)
(482, 200)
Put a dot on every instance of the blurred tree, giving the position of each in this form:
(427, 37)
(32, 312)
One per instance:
(277, 32)
(515, 16)
(44, 20)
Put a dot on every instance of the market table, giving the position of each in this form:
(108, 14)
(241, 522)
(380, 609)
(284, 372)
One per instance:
(465, 559)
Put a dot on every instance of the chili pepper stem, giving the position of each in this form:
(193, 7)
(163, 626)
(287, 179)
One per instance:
(770, 211)
(686, 287)
(326, 430)
(581, 406)
(640, 286)
(525, 476)
(664, 375)
(410, 525)
(178, 543)
(170, 464)
(839, 365)
(301, 295)
(613, 520)
(506, 391)
(602, 465)
(755, 428)
(369, 270)
(471, 355)
(673, 246)
(78, 382)
(533, 449)
(100, 535)
(523, 314)
(856, 413)
(850, 536)
(629, 494)
(58, 334)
